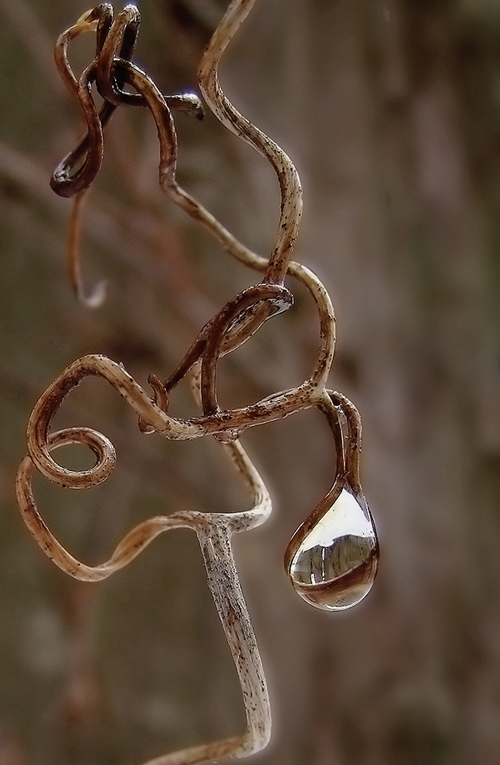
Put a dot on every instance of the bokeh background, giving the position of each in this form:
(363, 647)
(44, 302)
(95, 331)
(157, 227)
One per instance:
(391, 110)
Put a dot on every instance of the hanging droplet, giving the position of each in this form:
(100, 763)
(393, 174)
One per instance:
(335, 560)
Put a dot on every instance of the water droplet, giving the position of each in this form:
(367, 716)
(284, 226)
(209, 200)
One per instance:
(333, 559)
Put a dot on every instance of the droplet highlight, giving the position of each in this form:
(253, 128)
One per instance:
(335, 562)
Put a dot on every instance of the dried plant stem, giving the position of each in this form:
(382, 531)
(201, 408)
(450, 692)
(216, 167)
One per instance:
(98, 295)
(214, 533)
(290, 188)
(110, 70)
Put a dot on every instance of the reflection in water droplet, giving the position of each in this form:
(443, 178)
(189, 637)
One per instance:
(335, 563)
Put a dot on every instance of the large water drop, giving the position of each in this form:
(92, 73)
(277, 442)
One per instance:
(335, 562)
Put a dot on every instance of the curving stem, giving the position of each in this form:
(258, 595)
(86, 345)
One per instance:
(288, 178)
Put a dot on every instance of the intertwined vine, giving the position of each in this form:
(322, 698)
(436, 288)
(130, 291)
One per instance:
(120, 82)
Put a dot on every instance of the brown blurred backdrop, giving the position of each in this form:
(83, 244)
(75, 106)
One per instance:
(391, 110)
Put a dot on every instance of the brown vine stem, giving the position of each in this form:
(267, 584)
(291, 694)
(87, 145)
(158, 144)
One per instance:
(112, 37)
(111, 70)
(98, 295)
(291, 190)
(214, 532)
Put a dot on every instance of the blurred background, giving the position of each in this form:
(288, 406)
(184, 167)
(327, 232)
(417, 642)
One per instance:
(391, 111)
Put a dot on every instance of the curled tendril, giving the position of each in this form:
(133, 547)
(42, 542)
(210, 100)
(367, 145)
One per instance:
(115, 43)
(240, 318)
(112, 71)
(144, 533)
(214, 533)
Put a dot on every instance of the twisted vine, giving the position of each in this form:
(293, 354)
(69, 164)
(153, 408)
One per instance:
(112, 70)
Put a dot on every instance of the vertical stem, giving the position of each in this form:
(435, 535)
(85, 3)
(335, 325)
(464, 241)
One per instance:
(226, 591)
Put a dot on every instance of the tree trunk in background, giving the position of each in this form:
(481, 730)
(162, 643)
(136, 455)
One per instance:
(390, 110)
